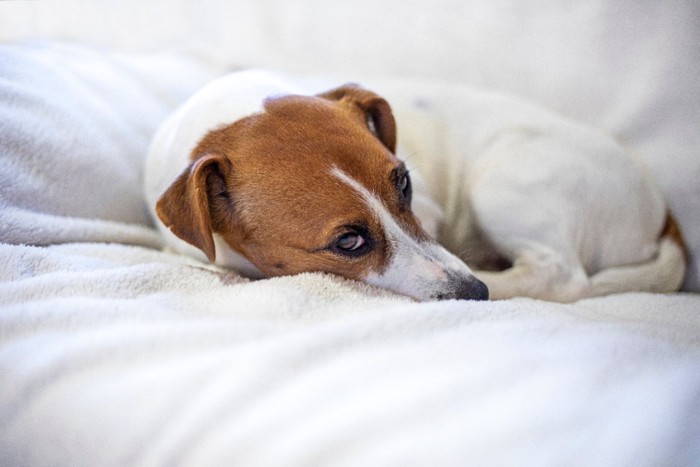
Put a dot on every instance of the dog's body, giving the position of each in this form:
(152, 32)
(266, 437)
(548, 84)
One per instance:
(271, 186)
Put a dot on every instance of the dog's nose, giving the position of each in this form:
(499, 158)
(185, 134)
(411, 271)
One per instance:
(469, 288)
(473, 289)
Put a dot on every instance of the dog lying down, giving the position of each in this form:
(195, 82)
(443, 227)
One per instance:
(255, 175)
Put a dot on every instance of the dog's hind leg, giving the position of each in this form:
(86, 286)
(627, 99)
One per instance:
(538, 272)
(662, 273)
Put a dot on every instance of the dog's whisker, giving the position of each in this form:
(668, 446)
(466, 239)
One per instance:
(408, 158)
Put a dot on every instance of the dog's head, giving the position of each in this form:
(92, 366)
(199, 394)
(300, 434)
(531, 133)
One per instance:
(312, 183)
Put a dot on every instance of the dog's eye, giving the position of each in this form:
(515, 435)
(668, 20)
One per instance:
(353, 243)
(404, 186)
(350, 242)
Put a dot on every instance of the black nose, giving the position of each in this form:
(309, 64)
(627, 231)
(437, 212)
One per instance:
(473, 289)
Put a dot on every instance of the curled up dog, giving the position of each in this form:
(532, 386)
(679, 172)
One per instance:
(256, 175)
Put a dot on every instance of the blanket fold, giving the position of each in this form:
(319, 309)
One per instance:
(76, 124)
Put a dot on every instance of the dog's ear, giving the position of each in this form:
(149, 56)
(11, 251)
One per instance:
(187, 206)
(376, 111)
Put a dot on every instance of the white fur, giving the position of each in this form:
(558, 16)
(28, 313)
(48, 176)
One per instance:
(569, 184)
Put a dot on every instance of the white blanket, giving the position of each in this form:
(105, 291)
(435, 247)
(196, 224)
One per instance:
(118, 355)
(115, 353)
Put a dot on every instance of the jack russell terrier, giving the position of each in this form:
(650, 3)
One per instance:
(256, 175)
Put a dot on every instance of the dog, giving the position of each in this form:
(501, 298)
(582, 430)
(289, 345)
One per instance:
(256, 174)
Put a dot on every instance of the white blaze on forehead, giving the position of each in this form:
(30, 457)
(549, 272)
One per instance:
(420, 269)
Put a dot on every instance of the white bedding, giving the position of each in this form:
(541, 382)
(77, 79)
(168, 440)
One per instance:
(115, 353)
(121, 355)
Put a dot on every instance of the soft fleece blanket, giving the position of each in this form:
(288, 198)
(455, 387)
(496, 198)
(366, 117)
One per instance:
(121, 355)
(113, 352)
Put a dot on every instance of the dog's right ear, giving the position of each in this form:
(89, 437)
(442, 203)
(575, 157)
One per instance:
(186, 206)
(376, 110)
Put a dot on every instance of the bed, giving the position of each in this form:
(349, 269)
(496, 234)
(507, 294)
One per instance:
(114, 352)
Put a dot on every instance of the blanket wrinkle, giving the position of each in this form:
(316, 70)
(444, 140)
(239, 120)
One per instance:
(28, 227)
(77, 127)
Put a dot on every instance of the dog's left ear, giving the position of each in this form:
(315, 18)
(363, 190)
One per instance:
(188, 207)
(376, 111)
